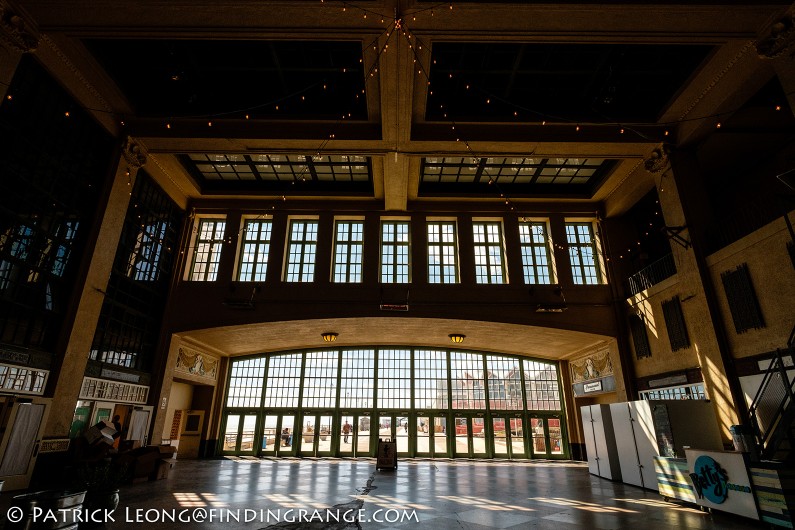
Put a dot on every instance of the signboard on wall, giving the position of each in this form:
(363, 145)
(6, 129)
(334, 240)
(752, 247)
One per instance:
(720, 481)
(593, 386)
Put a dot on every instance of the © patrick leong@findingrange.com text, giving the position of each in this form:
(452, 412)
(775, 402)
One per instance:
(40, 515)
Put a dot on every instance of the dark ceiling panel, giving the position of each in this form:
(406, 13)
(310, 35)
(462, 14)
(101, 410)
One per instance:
(332, 175)
(517, 176)
(232, 79)
(597, 83)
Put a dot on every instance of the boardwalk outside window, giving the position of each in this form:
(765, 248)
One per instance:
(489, 258)
(395, 242)
(535, 253)
(582, 253)
(207, 253)
(254, 251)
(442, 267)
(348, 242)
(302, 251)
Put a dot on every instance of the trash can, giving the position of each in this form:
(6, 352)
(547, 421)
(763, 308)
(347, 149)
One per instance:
(386, 458)
(59, 510)
(744, 441)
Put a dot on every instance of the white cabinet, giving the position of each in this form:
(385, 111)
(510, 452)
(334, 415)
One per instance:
(645, 429)
(600, 443)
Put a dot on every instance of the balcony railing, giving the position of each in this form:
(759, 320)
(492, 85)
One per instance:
(651, 275)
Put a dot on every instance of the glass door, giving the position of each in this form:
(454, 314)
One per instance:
(307, 445)
(499, 436)
(347, 435)
(386, 427)
(548, 437)
(285, 445)
(461, 436)
(362, 437)
(270, 435)
(478, 429)
(403, 434)
(422, 425)
(516, 436)
(440, 437)
(239, 435)
(325, 435)
(538, 436)
(317, 435)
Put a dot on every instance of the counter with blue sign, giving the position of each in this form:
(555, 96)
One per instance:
(721, 481)
(727, 481)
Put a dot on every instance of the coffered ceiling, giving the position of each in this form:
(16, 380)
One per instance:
(401, 100)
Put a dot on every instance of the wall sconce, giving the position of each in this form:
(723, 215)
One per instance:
(553, 307)
(329, 336)
(457, 338)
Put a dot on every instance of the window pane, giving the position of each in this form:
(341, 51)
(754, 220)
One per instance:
(466, 381)
(541, 385)
(505, 383)
(254, 251)
(245, 383)
(395, 252)
(535, 253)
(348, 241)
(357, 378)
(442, 267)
(207, 253)
(302, 247)
(284, 380)
(489, 262)
(430, 379)
(394, 379)
(582, 253)
(320, 379)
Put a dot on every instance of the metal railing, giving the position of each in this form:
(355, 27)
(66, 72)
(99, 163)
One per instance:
(773, 401)
(653, 274)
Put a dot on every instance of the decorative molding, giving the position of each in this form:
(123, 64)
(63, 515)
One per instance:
(779, 41)
(76, 72)
(197, 364)
(133, 154)
(16, 33)
(168, 174)
(743, 51)
(658, 160)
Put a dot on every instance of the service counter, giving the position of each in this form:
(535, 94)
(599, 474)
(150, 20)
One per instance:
(727, 481)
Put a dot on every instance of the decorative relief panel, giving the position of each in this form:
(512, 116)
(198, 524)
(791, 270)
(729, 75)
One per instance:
(593, 366)
(197, 364)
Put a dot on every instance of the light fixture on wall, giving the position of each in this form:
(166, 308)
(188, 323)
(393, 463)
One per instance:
(329, 336)
(457, 338)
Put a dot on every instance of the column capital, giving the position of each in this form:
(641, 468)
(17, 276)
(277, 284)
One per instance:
(780, 39)
(16, 33)
(658, 160)
(133, 154)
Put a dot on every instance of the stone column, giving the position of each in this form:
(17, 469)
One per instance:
(16, 37)
(678, 184)
(75, 357)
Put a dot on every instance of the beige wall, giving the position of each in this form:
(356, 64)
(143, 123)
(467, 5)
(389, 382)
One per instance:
(649, 304)
(180, 398)
(773, 278)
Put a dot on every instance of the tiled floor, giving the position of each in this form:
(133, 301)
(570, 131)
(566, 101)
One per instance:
(460, 494)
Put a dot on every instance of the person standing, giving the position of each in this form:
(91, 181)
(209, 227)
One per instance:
(346, 430)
